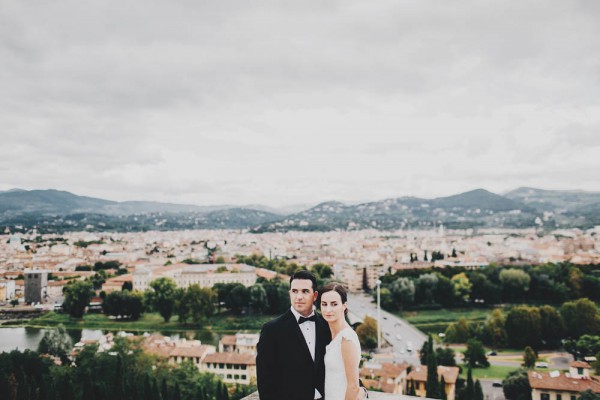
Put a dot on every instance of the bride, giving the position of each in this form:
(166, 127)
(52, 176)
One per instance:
(342, 355)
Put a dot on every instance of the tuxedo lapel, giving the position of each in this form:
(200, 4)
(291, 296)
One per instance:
(295, 328)
(321, 339)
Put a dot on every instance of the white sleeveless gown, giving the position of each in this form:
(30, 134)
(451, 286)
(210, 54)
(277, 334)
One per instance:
(335, 374)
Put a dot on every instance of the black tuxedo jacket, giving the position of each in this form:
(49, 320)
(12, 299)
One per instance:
(285, 368)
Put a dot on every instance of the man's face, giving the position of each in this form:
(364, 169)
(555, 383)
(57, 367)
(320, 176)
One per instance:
(302, 296)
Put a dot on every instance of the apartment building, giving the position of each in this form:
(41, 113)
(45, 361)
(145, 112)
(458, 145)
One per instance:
(419, 376)
(384, 377)
(556, 385)
(235, 368)
(243, 343)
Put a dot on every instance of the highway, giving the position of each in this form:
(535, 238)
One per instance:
(402, 340)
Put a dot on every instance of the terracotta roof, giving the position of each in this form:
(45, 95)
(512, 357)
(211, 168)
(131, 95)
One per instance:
(387, 370)
(419, 373)
(579, 364)
(562, 382)
(196, 351)
(231, 358)
(228, 340)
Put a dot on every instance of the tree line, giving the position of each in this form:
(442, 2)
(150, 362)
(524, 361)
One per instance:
(540, 327)
(126, 372)
(192, 304)
(493, 284)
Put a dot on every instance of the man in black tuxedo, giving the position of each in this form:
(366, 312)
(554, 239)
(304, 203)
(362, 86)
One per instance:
(291, 350)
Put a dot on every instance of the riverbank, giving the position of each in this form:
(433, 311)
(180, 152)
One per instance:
(222, 323)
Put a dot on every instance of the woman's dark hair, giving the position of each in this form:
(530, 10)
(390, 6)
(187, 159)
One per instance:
(334, 287)
(304, 274)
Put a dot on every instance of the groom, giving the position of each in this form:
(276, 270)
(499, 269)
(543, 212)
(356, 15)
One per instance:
(291, 349)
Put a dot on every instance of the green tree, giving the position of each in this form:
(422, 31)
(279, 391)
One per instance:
(588, 395)
(553, 327)
(475, 354)
(196, 303)
(425, 288)
(469, 390)
(124, 304)
(367, 333)
(529, 358)
(386, 298)
(77, 297)
(162, 296)
(462, 286)
(477, 391)
(445, 356)
(495, 329)
(484, 289)
(323, 271)
(458, 332)
(581, 317)
(515, 283)
(444, 292)
(523, 327)
(56, 342)
(443, 394)
(411, 391)
(432, 386)
(585, 346)
(238, 298)
(403, 291)
(258, 299)
(516, 385)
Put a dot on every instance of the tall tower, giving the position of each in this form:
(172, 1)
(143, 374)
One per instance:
(36, 286)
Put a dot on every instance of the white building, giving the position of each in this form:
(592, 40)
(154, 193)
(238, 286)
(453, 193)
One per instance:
(204, 275)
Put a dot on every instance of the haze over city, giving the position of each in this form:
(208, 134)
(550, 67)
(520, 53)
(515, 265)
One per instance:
(293, 103)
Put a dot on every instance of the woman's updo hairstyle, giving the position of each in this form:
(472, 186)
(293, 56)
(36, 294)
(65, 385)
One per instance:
(335, 287)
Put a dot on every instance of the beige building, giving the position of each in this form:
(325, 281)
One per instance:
(231, 367)
(7, 290)
(243, 343)
(204, 275)
(563, 386)
(419, 376)
(352, 275)
(177, 351)
(385, 377)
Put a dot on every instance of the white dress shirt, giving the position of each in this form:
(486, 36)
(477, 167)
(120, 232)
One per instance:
(309, 331)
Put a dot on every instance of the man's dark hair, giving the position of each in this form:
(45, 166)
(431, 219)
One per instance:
(304, 274)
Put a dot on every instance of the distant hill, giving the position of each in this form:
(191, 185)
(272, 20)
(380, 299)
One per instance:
(56, 202)
(476, 208)
(58, 211)
(554, 200)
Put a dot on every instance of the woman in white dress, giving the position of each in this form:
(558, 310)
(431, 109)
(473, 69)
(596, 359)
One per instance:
(342, 355)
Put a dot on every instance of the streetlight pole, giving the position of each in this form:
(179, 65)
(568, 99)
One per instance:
(378, 314)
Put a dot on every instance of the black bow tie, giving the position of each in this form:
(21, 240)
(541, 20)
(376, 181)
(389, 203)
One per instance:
(312, 318)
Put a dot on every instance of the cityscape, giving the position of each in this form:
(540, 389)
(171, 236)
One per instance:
(291, 200)
(39, 270)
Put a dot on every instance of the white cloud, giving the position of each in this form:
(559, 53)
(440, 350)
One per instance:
(289, 102)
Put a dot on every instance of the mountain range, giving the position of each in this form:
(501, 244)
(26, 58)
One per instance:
(59, 211)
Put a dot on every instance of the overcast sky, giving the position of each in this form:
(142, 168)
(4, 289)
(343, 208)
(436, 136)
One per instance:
(282, 103)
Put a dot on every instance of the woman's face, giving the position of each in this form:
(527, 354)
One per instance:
(332, 307)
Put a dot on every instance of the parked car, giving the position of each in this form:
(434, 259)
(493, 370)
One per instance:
(541, 364)
(491, 353)
(497, 384)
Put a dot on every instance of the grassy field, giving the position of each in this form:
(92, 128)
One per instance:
(495, 372)
(149, 322)
(435, 321)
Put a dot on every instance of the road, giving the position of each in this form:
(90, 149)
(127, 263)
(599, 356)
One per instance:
(403, 341)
